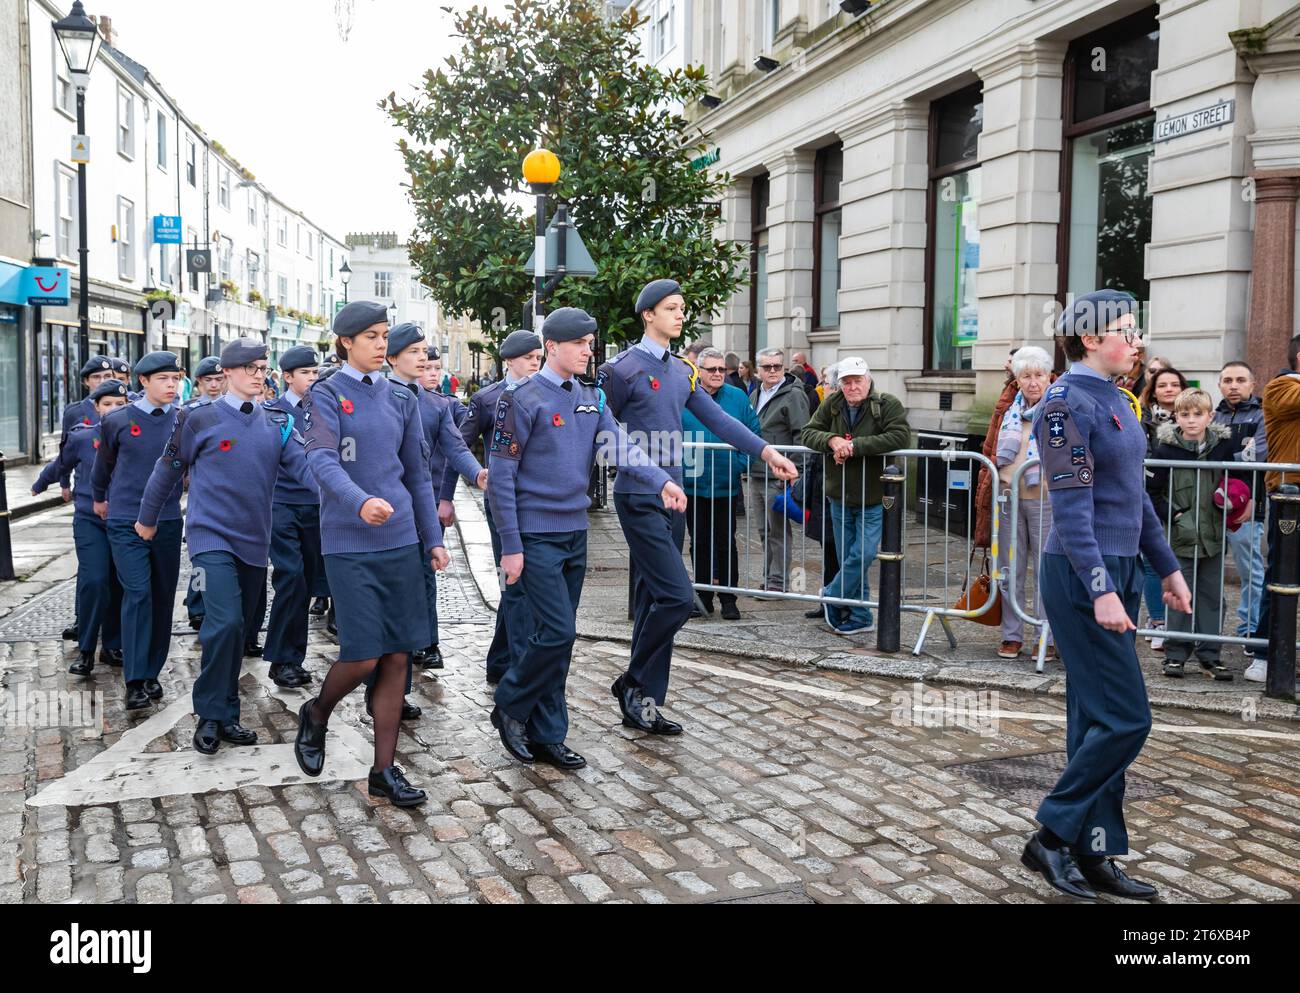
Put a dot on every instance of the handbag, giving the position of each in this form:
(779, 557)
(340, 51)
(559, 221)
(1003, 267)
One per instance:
(975, 594)
(784, 503)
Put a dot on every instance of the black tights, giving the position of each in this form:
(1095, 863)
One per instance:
(385, 699)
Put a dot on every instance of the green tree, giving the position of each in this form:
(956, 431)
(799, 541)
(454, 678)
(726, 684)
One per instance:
(560, 71)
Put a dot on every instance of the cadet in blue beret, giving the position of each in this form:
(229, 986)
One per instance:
(209, 379)
(521, 353)
(296, 560)
(99, 594)
(648, 388)
(131, 440)
(357, 317)
(1093, 451)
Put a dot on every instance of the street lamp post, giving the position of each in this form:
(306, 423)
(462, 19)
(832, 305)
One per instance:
(541, 172)
(345, 276)
(80, 41)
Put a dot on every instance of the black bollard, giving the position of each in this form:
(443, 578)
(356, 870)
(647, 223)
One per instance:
(6, 540)
(1283, 591)
(889, 626)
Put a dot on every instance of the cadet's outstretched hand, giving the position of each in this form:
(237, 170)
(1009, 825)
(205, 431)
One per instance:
(67, 495)
(782, 468)
(440, 559)
(513, 567)
(376, 511)
(481, 482)
(673, 497)
(446, 513)
(101, 510)
(145, 532)
(1111, 615)
(1177, 595)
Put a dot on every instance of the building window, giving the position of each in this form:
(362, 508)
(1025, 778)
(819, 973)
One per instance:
(826, 237)
(252, 207)
(125, 122)
(771, 23)
(65, 229)
(331, 263)
(192, 238)
(1106, 199)
(65, 94)
(311, 238)
(282, 292)
(223, 188)
(383, 284)
(953, 242)
(252, 268)
(191, 162)
(282, 232)
(225, 253)
(758, 267)
(661, 28)
(165, 267)
(125, 239)
(311, 297)
(162, 142)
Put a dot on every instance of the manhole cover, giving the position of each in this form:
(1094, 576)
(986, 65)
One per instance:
(1028, 778)
(795, 895)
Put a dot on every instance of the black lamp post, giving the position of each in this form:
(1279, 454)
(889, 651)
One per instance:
(79, 40)
(345, 276)
(541, 172)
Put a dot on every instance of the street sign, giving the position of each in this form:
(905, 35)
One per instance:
(1214, 116)
(578, 261)
(80, 149)
(198, 260)
(166, 230)
(706, 160)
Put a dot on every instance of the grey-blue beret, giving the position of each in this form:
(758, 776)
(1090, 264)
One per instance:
(210, 366)
(656, 293)
(403, 337)
(100, 363)
(119, 365)
(157, 362)
(298, 357)
(326, 371)
(568, 324)
(113, 388)
(1093, 312)
(434, 354)
(519, 344)
(242, 351)
(357, 316)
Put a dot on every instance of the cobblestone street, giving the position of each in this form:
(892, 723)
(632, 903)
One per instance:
(792, 784)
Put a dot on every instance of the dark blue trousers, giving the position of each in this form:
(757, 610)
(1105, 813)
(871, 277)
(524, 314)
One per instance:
(663, 596)
(532, 689)
(148, 572)
(231, 590)
(514, 623)
(321, 584)
(295, 554)
(193, 599)
(1108, 717)
(431, 597)
(99, 594)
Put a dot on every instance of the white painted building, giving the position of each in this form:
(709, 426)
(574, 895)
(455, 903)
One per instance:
(926, 183)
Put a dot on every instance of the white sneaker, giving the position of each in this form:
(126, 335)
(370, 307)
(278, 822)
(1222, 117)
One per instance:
(1257, 672)
(1158, 643)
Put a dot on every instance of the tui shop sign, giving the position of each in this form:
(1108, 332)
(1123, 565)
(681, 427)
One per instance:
(706, 160)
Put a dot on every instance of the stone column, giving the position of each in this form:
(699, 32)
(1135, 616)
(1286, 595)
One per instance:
(731, 327)
(1272, 294)
(790, 250)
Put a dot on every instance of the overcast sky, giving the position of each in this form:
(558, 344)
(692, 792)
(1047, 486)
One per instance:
(275, 83)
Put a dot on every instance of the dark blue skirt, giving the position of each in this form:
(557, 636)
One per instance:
(379, 603)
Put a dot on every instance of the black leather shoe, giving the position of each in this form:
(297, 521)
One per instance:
(330, 626)
(71, 633)
(1217, 671)
(154, 689)
(410, 712)
(319, 606)
(196, 621)
(707, 600)
(639, 712)
(289, 676)
(111, 657)
(514, 735)
(309, 745)
(1058, 867)
(667, 728)
(84, 665)
(815, 615)
(136, 697)
(1109, 877)
(236, 734)
(730, 612)
(431, 658)
(207, 737)
(393, 785)
(560, 756)
(252, 650)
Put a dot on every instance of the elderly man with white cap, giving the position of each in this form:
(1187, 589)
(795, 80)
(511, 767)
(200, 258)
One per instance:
(855, 427)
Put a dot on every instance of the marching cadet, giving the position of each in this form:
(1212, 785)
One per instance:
(408, 358)
(1093, 450)
(210, 384)
(365, 446)
(549, 430)
(96, 372)
(233, 449)
(522, 354)
(131, 439)
(648, 388)
(99, 594)
(295, 539)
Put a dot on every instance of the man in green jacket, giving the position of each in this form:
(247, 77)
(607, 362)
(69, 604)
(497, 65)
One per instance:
(856, 428)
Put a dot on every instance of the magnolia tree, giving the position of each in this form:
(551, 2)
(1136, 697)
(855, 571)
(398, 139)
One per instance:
(558, 73)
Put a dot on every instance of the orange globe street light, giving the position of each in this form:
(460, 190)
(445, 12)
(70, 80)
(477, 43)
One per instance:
(541, 168)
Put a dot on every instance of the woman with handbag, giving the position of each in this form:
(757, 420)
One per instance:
(1032, 367)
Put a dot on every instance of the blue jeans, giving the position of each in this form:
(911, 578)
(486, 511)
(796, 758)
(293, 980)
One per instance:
(857, 537)
(1249, 559)
(1153, 592)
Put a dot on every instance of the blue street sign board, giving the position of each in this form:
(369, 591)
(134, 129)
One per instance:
(166, 230)
(46, 286)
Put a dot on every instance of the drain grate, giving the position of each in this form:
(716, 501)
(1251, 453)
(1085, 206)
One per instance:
(1028, 778)
(793, 895)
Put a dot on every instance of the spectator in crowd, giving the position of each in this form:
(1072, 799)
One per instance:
(1242, 412)
(1032, 367)
(1282, 428)
(1157, 402)
(782, 408)
(748, 377)
(984, 488)
(1135, 380)
(733, 373)
(800, 367)
(692, 352)
(1185, 498)
(712, 483)
(856, 427)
